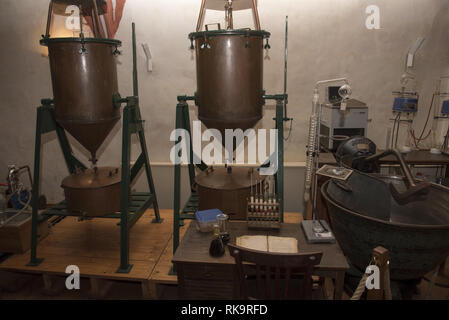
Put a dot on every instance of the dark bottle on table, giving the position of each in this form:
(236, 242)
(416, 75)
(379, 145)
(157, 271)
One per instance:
(216, 246)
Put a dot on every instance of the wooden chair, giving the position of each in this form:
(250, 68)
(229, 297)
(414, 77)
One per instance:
(274, 273)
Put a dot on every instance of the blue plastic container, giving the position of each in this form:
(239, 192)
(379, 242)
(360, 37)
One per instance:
(206, 219)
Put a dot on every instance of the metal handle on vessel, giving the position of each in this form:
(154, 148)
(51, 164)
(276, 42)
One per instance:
(414, 190)
(212, 24)
(403, 165)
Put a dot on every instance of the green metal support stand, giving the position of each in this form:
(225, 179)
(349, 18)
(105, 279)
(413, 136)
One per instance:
(132, 205)
(279, 177)
(133, 124)
(45, 123)
(183, 122)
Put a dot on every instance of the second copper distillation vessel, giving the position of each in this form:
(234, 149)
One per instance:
(229, 68)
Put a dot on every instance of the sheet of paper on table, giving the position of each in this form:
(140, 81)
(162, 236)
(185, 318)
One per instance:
(269, 243)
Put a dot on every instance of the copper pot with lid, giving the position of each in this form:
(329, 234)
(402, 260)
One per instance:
(93, 192)
(227, 189)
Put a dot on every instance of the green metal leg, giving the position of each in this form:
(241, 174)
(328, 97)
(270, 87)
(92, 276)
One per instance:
(125, 267)
(46, 122)
(280, 149)
(177, 182)
(71, 161)
(34, 261)
(186, 125)
(143, 145)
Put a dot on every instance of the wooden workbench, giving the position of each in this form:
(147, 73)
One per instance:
(201, 276)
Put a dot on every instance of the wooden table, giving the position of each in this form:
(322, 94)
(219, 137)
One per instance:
(201, 276)
(413, 158)
(419, 157)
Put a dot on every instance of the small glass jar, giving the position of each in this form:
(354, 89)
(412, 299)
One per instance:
(222, 220)
(223, 225)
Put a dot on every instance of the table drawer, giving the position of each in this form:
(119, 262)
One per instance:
(206, 290)
(207, 272)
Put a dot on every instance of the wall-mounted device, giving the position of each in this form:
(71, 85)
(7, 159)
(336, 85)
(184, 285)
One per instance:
(445, 108)
(149, 57)
(406, 102)
(412, 52)
(337, 123)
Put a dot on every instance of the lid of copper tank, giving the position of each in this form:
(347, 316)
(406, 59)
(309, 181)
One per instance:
(93, 179)
(228, 178)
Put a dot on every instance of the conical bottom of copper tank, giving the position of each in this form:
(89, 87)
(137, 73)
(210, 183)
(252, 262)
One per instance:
(90, 135)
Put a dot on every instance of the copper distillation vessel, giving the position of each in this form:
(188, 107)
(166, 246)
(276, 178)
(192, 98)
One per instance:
(84, 79)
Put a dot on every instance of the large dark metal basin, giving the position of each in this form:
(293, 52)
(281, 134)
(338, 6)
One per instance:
(416, 234)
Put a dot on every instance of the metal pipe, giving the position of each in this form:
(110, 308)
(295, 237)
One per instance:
(96, 18)
(285, 66)
(81, 21)
(229, 19)
(404, 166)
(135, 75)
(256, 15)
(50, 11)
(319, 83)
(201, 16)
(317, 162)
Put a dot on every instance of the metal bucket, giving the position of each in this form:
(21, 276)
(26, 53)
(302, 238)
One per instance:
(84, 77)
(364, 215)
(229, 65)
(227, 189)
(93, 192)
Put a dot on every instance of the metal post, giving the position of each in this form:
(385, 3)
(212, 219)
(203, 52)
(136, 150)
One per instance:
(34, 261)
(186, 126)
(143, 146)
(135, 76)
(125, 267)
(177, 182)
(72, 162)
(150, 178)
(280, 150)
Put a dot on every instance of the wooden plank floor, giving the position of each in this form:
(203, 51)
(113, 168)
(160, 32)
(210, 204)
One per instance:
(94, 246)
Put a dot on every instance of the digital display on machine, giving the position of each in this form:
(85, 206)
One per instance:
(403, 104)
(445, 108)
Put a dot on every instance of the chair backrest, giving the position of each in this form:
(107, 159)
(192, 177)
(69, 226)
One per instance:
(273, 272)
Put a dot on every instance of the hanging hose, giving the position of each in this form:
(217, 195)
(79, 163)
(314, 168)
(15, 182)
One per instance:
(421, 138)
(393, 131)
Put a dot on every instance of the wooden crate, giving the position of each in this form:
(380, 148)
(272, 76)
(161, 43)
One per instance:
(15, 236)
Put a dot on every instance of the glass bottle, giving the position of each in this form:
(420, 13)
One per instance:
(216, 248)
